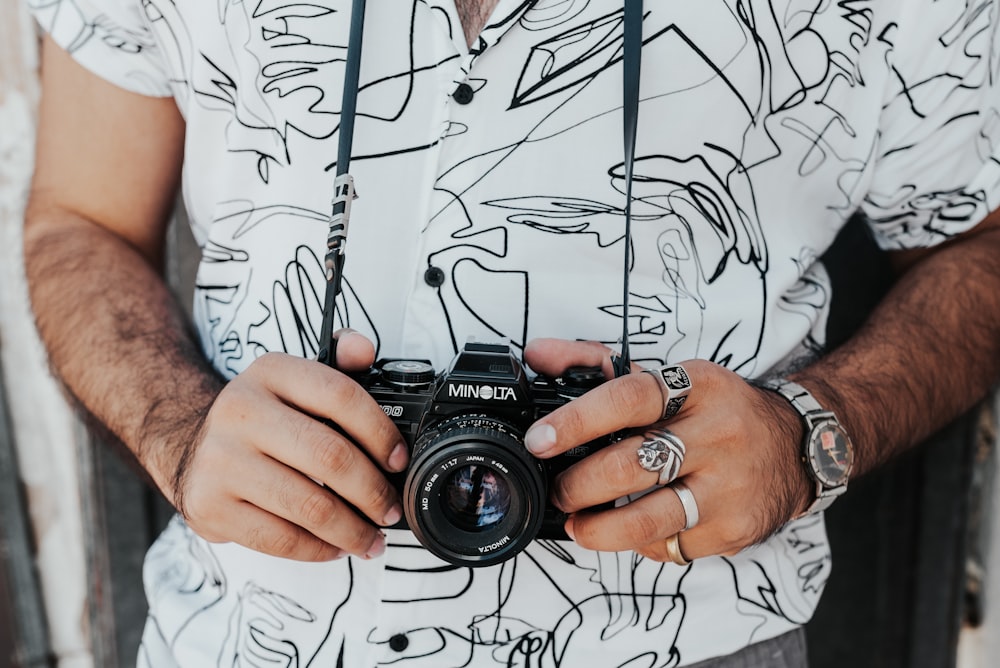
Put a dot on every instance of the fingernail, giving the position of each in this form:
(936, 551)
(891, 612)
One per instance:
(540, 438)
(393, 515)
(568, 526)
(399, 457)
(378, 547)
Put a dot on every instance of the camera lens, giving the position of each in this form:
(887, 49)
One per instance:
(475, 498)
(474, 495)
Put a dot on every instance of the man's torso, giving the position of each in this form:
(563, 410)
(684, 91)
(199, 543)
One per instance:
(491, 205)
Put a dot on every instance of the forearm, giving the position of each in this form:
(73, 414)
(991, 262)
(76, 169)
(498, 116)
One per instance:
(928, 353)
(117, 339)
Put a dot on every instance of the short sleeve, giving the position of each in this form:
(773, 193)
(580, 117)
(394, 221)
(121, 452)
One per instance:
(108, 37)
(937, 167)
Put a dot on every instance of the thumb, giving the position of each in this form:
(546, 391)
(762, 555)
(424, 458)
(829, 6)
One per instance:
(551, 357)
(354, 351)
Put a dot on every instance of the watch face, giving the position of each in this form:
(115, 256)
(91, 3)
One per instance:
(830, 453)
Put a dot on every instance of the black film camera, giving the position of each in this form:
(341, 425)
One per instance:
(473, 494)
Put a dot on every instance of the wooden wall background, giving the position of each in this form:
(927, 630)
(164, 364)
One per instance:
(48, 438)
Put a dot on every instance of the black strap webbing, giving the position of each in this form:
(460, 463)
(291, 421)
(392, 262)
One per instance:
(343, 188)
(631, 61)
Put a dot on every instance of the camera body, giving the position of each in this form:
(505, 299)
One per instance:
(473, 494)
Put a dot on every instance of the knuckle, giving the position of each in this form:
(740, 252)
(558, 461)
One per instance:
(569, 420)
(342, 391)
(621, 470)
(630, 394)
(584, 537)
(644, 528)
(317, 509)
(587, 534)
(337, 459)
(360, 541)
(386, 433)
(728, 431)
(381, 496)
(320, 551)
(563, 496)
(277, 543)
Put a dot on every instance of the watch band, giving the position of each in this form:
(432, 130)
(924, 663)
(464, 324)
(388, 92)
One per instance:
(798, 396)
(815, 419)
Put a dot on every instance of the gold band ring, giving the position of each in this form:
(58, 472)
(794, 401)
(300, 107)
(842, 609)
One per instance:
(673, 546)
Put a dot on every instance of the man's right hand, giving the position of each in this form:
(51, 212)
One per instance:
(253, 462)
(266, 471)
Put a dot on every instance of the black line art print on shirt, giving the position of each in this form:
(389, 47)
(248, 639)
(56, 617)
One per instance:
(763, 126)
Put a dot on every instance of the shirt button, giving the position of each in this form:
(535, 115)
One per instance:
(463, 94)
(434, 277)
(399, 642)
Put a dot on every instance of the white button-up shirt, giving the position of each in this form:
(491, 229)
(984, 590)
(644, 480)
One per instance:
(491, 206)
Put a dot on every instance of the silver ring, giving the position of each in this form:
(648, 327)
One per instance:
(673, 547)
(675, 385)
(690, 506)
(661, 452)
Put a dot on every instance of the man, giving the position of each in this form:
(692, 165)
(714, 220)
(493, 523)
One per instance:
(487, 158)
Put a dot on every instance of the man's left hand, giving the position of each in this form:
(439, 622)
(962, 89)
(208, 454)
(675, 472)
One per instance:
(742, 462)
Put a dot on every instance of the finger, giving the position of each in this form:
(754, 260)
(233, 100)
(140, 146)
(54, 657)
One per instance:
(220, 514)
(309, 446)
(652, 517)
(644, 524)
(263, 532)
(551, 357)
(324, 392)
(657, 549)
(630, 401)
(611, 473)
(293, 497)
(693, 544)
(354, 351)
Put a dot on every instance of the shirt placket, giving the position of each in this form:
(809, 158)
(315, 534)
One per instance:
(424, 328)
(401, 632)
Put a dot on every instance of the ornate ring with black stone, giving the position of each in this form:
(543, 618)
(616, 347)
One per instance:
(675, 385)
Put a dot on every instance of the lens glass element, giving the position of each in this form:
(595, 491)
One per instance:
(475, 498)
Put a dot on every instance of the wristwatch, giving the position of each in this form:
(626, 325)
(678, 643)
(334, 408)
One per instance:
(827, 451)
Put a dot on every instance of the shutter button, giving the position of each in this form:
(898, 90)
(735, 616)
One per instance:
(463, 94)
(399, 642)
(434, 277)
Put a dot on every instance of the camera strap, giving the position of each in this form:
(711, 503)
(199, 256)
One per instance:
(343, 188)
(631, 67)
(344, 184)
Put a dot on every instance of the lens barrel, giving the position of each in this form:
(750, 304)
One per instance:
(474, 495)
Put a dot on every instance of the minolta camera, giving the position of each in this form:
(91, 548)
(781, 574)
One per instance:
(473, 494)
